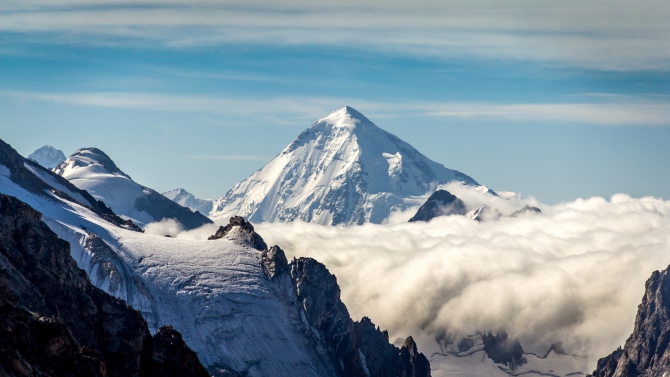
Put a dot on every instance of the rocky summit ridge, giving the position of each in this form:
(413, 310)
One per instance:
(343, 169)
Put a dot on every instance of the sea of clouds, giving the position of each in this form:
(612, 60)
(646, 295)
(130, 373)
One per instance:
(574, 273)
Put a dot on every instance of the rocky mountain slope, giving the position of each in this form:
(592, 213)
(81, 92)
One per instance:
(92, 170)
(647, 351)
(188, 200)
(47, 156)
(341, 170)
(53, 322)
(440, 203)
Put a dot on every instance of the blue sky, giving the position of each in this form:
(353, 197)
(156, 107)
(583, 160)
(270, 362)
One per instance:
(555, 99)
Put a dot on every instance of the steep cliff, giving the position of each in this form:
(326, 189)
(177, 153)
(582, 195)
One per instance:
(647, 351)
(53, 322)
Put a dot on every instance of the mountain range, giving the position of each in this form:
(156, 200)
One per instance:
(237, 303)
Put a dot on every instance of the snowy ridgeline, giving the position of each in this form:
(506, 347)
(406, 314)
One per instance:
(341, 170)
(92, 170)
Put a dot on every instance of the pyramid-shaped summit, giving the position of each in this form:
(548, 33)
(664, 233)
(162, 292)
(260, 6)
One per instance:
(343, 169)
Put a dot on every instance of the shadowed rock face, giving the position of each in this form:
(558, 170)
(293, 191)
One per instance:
(53, 322)
(647, 351)
(245, 228)
(356, 348)
(501, 349)
(441, 203)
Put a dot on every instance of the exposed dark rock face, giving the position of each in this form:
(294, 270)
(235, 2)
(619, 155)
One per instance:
(441, 203)
(31, 182)
(608, 364)
(53, 322)
(501, 349)
(274, 261)
(170, 356)
(356, 348)
(255, 240)
(526, 210)
(647, 351)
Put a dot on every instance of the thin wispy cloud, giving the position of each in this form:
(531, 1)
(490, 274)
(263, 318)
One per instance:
(603, 110)
(618, 34)
(233, 157)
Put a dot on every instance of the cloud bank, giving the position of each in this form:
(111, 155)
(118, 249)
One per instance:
(614, 34)
(574, 273)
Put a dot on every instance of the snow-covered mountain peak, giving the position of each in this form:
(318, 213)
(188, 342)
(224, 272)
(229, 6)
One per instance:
(343, 169)
(89, 160)
(93, 170)
(188, 200)
(47, 156)
(346, 117)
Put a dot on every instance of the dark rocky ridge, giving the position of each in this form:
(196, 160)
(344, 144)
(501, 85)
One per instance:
(156, 205)
(23, 177)
(53, 322)
(355, 348)
(440, 203)
(647, 351)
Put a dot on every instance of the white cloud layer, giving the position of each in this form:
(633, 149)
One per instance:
(600, 34)
(574, 273)
(605, 110)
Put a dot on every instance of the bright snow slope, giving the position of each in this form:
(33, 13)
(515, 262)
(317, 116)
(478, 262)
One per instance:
(341, 170)
(92, 170)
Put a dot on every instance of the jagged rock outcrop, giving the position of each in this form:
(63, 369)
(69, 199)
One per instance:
(245, 231)
(43, 182)
(274, 261)
(526, 210)
(357, 348)
(53, 322)
(647, 351)
(501, 349)
(440, 203)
